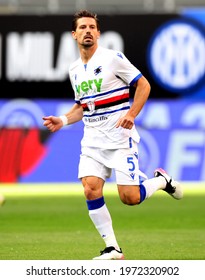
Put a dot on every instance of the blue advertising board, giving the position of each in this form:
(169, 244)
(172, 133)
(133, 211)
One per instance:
(172, 137)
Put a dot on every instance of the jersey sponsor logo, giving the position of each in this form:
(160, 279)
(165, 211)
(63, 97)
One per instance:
(98, 119)
(176, 55)
(90, 85)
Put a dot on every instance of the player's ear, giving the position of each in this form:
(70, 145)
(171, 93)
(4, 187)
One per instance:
(74, 35)
(98, 35)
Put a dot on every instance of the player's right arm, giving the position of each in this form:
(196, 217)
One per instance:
(54, 123)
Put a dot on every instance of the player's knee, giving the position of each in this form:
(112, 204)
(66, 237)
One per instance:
(91, 194)
(92, 187)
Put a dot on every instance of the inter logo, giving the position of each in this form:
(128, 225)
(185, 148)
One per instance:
(176, 55)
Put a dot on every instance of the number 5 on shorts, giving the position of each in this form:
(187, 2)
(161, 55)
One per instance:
(131, 162)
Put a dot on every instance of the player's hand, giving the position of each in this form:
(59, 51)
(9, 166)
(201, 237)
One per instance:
(125, 122)
(52, 123)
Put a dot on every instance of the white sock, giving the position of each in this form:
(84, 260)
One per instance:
(153, 185)
(103, 223)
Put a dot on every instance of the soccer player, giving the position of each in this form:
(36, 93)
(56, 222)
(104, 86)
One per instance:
(101, 79)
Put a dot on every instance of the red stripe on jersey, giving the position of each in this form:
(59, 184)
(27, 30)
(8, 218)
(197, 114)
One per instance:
(108, 100)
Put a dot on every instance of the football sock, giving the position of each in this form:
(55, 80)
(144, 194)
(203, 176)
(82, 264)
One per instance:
(101, 218)
(153, 185)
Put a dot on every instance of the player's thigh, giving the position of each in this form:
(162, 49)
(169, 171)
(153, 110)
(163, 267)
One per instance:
(127, 167)
(128, 175)
(93, 175)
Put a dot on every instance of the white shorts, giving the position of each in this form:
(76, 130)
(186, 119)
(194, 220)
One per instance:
(99, 162)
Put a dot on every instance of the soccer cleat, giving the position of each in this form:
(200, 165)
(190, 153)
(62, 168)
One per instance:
(173, 188)
(110, 253)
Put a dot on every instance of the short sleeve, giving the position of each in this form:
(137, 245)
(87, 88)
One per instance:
(124, 69)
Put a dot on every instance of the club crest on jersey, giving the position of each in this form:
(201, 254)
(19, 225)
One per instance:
(98, 70)
(91, 106)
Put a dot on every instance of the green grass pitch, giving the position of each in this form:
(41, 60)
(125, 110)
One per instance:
(51, 222)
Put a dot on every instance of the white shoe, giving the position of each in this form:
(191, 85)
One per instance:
(173, 188)
(110, 253)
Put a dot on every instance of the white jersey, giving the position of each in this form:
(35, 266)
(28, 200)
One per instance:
(102, 89)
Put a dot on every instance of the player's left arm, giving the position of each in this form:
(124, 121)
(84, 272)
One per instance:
(140, 97)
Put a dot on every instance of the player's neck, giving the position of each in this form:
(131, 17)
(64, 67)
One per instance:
(87, 53)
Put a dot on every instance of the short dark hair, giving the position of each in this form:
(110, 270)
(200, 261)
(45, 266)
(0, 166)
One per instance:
(84, 13)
